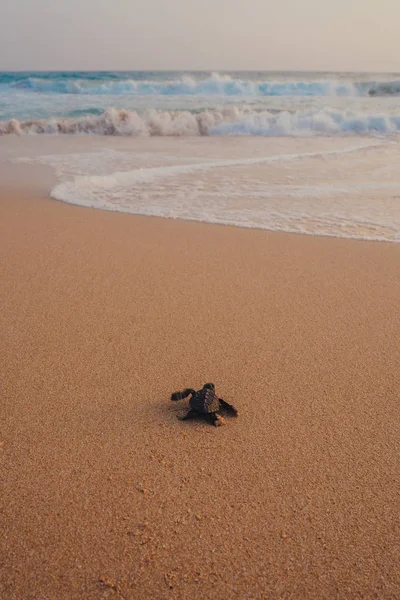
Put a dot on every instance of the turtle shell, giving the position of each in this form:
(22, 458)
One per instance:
(205, 401)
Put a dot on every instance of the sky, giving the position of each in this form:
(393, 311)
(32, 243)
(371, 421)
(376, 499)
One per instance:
(327, 35)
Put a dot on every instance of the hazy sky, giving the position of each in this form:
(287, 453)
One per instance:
(200, 34)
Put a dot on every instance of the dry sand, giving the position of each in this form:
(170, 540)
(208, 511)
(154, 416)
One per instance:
(105, 494)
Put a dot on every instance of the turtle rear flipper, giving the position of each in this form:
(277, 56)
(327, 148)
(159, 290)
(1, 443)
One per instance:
(228, 407)
(215, 419)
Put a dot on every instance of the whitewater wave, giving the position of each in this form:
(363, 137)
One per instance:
(215, 84)
(227, 121)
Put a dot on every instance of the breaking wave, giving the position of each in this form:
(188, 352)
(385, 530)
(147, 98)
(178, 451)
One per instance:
(227, 121)
(214, 84)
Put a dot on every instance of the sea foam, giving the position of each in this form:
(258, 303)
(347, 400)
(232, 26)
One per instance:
(282, 192)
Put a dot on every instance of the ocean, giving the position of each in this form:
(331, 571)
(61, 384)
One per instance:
(312, 153)
(193, 103)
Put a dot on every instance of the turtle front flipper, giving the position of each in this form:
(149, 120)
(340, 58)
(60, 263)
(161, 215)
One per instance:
(188, 415)
(228, 407)
(182, 395)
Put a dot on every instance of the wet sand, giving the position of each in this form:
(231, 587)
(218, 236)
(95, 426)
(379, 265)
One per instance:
(105, 494)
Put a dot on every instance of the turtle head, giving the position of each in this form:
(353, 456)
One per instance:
(209, 386)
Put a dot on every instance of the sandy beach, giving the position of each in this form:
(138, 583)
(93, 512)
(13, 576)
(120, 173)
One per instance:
(106, 495)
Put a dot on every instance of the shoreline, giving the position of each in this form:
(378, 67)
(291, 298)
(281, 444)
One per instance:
(106, 494)
(59, 162)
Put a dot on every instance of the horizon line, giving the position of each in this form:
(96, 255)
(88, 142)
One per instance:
(71, 70)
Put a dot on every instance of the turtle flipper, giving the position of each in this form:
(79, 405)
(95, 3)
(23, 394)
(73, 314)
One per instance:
(182, 395)
(228, 407)
(215, 419)
(188, 415)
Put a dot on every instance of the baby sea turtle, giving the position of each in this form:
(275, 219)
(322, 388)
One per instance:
(205, 402)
